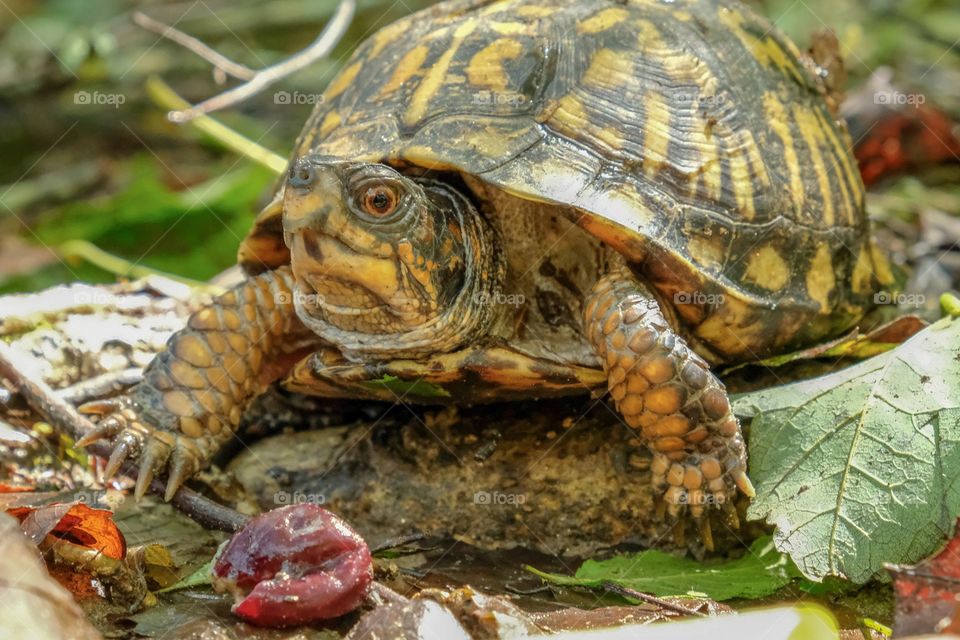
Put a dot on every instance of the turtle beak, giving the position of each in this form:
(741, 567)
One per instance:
(311, 194)
(326, 253)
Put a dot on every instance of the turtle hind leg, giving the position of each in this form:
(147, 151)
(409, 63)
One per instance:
(666, 392)
(193, 394)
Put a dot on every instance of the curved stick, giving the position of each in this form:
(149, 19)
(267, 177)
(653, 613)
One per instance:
(60, 413)
(256, 81)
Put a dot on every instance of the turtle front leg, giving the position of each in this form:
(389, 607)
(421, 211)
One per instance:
(193, 394)
(666, 392)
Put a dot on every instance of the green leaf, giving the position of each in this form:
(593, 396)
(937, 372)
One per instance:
(199, 578)
(861, 467)
(759, 573)
(404, 387)
(192, 233)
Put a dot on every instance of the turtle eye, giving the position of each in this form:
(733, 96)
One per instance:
(379, 200)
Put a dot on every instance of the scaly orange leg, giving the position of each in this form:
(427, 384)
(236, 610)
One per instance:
(667, 392)
(193, 394)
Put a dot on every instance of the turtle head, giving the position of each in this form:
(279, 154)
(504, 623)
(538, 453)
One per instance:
(387, 265)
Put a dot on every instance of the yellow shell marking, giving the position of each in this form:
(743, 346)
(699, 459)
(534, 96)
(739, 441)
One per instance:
(740, 177)
(406, 68)
(387, 36)
(486, 67)
(766, 50)
(608, 68)
(602, 20)
(330, 122)
(813, 136)
(510, 28)
(777, 56)
(820, 278)
(777, 119)
(881, 265)
(533, 11)
(569, 116)
(343, 80)
(766, 268)
(756, 161)
(656, 140)
(709, 250)
(842, 149)
(611, 137)
(862, 279)
(729, 331)
(704, 138)
(435, 75)
(649, 37)
(425, 157)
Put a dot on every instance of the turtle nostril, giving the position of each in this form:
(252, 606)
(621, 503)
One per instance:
(301, 175)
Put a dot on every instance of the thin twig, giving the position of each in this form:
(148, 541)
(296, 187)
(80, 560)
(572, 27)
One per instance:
(61, 414)
(161, 93)
(218, 60)
(399, 541)
(105, 384)
(322, 46)
(86, 250)
(613, 587)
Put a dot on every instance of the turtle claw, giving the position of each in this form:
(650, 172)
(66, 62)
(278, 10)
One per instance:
(706, 531)
(127, 446)
(157, 452)
(101, 407)
(144, 478)
(119, 412)
(155, 456)
(679, 533)
(731, 515)
(183, 464)
(103, 431)
(743, 483)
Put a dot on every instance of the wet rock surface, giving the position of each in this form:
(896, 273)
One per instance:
(565, 478)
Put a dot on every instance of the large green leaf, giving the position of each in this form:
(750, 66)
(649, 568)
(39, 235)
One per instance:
(760, 572)
(861, 467)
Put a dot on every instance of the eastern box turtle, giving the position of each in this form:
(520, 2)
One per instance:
(534, 198)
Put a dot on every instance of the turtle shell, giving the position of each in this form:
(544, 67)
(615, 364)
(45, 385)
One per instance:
(690, 135)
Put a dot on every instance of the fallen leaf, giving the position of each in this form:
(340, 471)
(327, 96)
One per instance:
(852, 345)
(34, 605)
(760, 572)
(8, 488)
(75, 523)
(861, 467)
(402, 387)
